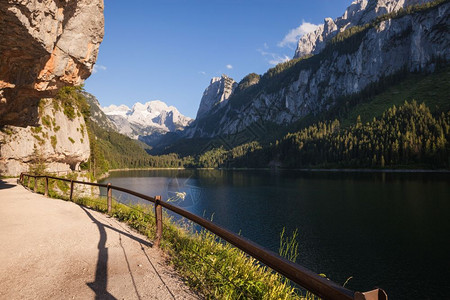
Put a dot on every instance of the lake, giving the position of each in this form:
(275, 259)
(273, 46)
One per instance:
(388, 230)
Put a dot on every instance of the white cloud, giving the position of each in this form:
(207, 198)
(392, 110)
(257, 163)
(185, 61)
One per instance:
(273, 58)
(97, 68)
(229, 67)
(295, 34)
(278, 59)
(202, 72)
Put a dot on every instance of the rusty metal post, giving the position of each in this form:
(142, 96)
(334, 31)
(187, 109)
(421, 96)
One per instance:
(71, 190)
(35, 184)
(158, 216)
(109, 195)
(376, 294)
(46, 186)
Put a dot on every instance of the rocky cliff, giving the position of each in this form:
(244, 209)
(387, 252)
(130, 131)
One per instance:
(358, 13)
(44, 45)
(97, 115)
(345, 66)
(145, 120)
(218, 91)
(61, 143)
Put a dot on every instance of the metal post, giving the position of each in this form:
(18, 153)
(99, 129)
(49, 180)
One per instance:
(109, 195)
(71, 190)
(158, 216)
(46, 186)
(35, 184)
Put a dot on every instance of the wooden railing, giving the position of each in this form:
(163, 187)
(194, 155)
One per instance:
(300, 275)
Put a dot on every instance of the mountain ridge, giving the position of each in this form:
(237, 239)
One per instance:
(145, 121)
(402, 42)
(359, 12)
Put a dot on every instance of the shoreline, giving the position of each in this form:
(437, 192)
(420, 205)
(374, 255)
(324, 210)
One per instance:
(377, 170)
(334, 170)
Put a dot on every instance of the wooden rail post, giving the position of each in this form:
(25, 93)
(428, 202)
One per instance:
(35, 184)
(71, 190)
(46, 186)
(109, 195)
(158, 216)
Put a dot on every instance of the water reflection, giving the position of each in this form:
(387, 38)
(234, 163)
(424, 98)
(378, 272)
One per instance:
(384, 229)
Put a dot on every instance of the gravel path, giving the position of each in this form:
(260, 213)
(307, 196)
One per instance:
(53, 249)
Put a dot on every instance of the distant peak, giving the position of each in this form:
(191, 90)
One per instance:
(145, 118)
(114, 107)
(359, 12)
(222, 77)
(218, 91)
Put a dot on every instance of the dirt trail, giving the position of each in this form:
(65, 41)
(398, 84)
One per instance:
(53, 249)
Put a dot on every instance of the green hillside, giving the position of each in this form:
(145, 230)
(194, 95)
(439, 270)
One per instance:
(285, 74)
(433, 89)
(408, 136)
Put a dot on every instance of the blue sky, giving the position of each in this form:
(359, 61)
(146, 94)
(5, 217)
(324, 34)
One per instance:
(170, 49)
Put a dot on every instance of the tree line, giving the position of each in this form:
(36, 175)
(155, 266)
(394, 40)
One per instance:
(407, 136)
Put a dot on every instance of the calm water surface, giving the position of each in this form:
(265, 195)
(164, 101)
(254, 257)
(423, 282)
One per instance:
(386, 230)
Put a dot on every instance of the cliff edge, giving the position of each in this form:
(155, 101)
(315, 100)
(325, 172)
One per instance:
(44, 45)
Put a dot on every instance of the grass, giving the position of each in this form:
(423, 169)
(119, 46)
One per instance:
(210, 266)
(53, 141)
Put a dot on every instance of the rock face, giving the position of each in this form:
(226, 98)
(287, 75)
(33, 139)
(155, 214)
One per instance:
(313, 85)
(44, 45)
(58, 141)
(144, 120)
(218, 91)
(97, 114)
(358, 13)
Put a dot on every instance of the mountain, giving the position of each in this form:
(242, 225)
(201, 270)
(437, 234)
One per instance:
(359, 12)
(360, 60)
(148, 121)
(218, 91)
(214, 97)
(96, 113)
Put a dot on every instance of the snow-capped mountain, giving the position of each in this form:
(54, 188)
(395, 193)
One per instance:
(153, 117)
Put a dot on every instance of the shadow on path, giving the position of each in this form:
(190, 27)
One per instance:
(4, 185)
(157, 273)
(129, 268)
(139, 240)
(149, 260)
(99, 286)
